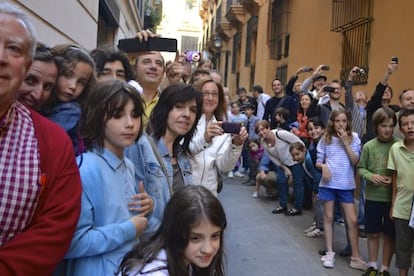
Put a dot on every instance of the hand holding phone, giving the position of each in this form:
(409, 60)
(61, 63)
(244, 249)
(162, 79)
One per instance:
(229, 127)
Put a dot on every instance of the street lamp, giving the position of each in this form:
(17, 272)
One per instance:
(217, 42)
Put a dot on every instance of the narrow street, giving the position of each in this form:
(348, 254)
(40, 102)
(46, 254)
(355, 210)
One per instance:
(260, 243)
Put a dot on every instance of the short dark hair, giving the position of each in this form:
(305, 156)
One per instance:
(196, 73)
(316, 121)
(284, 112)
(241, 89)
(257, 88)
(105, 100)
(405, 112)
(102, 56)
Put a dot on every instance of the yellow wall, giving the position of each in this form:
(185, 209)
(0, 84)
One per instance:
(312, 43)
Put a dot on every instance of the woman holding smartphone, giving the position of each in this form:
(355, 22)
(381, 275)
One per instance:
(214, 150)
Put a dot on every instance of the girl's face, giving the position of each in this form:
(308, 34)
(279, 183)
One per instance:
(305, 101)
(253, 147)
(315, 132)
(385, 130)
(71, 85)
(340, 122)
(298, 155)
(235, 109)
(181, 118)
(122, 130)
(203, 245)
(211, 97)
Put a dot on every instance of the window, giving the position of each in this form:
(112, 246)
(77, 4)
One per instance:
(236, 52)
(281, 74)
(279, 27)
(353, 18)
(188, 43)
(218, 15)
(251, 40)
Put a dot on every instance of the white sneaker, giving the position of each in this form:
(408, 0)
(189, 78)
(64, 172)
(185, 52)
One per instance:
(316, 233)
(230, 174)
(255, 194)
(328, 261)
(238, 174)
(311, 228)
(358, 263)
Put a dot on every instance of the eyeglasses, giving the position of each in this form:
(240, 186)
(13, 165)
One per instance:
(212, 94)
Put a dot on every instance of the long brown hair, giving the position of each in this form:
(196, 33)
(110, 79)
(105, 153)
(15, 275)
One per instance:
(330, 130)
(221, 111)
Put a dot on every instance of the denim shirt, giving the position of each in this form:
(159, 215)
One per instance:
(149, 170)
(104, 233)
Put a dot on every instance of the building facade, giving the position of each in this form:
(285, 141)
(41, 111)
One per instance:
(90, 23)
(254, 41)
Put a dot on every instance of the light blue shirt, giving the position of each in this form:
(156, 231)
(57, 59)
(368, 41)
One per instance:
(104, 233)
(335, 157)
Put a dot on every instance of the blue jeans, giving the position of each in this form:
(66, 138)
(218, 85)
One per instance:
(282, 186)
(361, 205)
(298, 185)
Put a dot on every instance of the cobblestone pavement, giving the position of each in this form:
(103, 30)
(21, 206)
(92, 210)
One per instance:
(260, 243)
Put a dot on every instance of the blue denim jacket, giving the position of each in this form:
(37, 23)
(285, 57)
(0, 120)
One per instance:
(67, 115)
(148, 170)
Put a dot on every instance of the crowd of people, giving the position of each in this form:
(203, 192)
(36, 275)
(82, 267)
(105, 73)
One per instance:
(109, 167)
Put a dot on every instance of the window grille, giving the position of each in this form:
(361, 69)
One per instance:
(281, 74)
(250, 39)
(353, 18)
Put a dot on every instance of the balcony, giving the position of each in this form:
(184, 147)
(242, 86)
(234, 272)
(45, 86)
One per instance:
(252, 6)
(237, 15)
(225, 29)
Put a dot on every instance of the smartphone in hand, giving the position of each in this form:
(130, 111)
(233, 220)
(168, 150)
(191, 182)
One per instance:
(229, 127)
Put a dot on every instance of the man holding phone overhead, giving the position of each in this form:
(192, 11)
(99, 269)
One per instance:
(150, 65)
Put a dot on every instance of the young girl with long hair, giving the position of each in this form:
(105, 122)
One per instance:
(76, 77)
(189, 240)
(109, 224)
(337, 155)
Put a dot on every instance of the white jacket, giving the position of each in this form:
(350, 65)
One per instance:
(220, 152)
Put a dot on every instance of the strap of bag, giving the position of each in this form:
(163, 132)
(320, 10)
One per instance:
(160, 161)
(280, 138)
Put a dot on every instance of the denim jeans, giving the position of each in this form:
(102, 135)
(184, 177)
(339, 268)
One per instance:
(298, 185)
(361, 205)
(282, 186)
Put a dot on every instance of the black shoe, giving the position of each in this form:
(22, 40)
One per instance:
(346, 252)
(279, 210)
(250, 182)
(370, 272)
(362, 233)
(293, 212)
